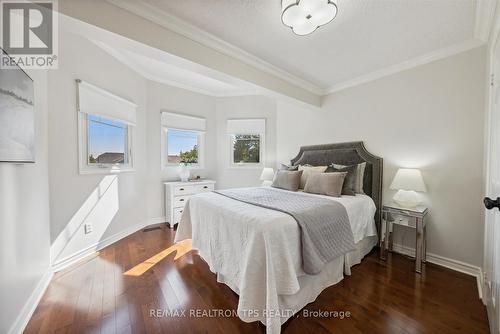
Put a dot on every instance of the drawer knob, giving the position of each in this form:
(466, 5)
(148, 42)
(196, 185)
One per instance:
(181, 189)
(180, 211)
(205, 187)
(181, 200)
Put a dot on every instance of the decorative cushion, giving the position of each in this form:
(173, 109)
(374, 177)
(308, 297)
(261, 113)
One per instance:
(308, 170)
(288, 180)
(351, 179)
(358, 189)
(325, 183)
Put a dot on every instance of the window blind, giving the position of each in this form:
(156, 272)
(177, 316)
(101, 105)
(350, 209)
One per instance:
(183, 122)
(97, 101)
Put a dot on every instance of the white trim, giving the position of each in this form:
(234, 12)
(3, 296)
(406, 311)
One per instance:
(84, 168)
(485, 13)
(415, 62)
(452, 264)
(185, 29)
(61, 264)
(31, 304)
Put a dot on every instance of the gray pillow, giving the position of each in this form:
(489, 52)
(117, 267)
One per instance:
(351, 179)
(288, 180)
(358, 189)
(325, 183)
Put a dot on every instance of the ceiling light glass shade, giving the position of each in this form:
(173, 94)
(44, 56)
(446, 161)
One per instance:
(305, 16)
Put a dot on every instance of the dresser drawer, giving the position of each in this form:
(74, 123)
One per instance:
(180, 201)
(178, 215)
(184, 190)
(201, 188)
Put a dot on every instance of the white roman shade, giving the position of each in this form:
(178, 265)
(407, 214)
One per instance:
(183, 122)
(97, 101)
(246, 126)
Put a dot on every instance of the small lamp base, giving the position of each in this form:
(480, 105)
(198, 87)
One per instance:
(407, 199)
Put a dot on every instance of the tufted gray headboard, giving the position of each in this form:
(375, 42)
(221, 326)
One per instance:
(348, 154)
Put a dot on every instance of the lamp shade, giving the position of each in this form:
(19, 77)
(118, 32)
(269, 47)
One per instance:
(408, 179)
(267, 174)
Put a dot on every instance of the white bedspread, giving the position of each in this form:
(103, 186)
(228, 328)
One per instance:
(257, 250)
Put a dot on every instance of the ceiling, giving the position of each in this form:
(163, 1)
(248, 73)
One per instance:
(367, 35)
(157, 65)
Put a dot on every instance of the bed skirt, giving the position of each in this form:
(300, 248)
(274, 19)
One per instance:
(310, 287)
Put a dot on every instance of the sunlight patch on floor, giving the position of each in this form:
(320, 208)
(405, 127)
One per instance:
(181, 248)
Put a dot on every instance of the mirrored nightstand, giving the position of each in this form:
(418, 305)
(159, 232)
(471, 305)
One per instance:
(413, 218)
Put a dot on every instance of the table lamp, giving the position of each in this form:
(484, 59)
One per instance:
(267, 176)
(407, 182)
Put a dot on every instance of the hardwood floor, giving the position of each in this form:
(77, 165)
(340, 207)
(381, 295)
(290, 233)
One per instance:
(95, 296)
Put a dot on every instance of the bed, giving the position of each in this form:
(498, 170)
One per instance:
(256, 251)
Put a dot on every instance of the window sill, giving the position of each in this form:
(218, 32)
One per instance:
(199, 167)
(245, 166)
(90, 171)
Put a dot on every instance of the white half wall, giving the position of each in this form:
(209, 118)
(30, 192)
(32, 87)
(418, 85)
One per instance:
(111, 203)
(24, 222)
(163, 97)
(430, 117)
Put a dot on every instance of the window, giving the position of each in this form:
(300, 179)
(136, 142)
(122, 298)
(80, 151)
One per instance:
(183, 140)
(107, 141)
(246, 149)
(182, 146)
(246, 142)
(106, 125)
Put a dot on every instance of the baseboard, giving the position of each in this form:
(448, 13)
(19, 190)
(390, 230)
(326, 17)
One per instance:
(31, 304)
(67, 261)
(456, 265)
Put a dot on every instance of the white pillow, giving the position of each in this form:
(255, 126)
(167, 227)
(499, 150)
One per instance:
(308, 170)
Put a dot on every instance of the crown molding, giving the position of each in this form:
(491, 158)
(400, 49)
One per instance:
(185, 29)
(406, 65)
(485, 13)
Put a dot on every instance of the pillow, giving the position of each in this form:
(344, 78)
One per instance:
(308, 170)
(325, 183)
(286, 167)
(350, 181)
(358, 189)
(288, 180)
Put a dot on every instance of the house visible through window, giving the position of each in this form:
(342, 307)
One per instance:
(182, 146)
(106, 124)
(107, 141)
(246, 149)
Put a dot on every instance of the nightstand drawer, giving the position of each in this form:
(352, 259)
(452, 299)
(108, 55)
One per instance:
(201, 188)
(178, 215)
(404, 220)
(184, 190)
(180, 201)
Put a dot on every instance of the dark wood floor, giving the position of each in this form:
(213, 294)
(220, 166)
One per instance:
(95, 296)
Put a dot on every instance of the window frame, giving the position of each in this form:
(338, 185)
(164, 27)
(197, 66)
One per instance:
(164, 148)
(247, 165)
(83, 147)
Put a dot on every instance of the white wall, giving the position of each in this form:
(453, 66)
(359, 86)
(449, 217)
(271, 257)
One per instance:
(243, 107)
(24, 221)
(111, 203)
(162, 97)
(430, 117)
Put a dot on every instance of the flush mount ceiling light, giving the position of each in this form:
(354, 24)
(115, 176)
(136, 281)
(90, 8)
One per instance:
(305, 16)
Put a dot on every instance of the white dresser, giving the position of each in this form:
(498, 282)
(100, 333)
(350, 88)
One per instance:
(177, 194)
